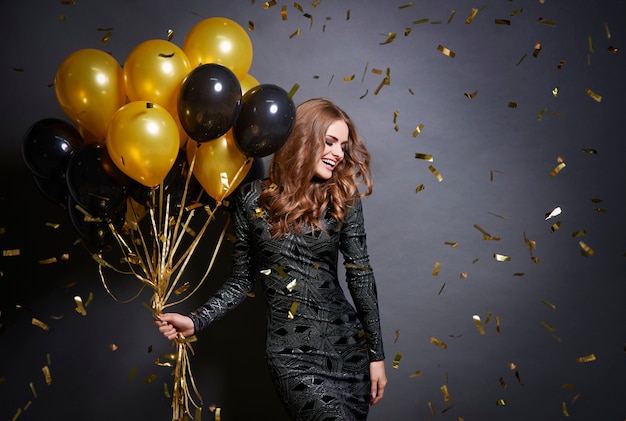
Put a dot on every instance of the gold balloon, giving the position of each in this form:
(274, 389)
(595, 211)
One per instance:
(89, 86)
(219, 41)
(219, 167)
(248, 82)
(154, 71)
(143, 142)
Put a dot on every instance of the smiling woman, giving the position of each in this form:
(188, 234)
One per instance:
(488, 310)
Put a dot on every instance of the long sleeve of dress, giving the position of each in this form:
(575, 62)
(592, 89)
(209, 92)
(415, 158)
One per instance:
(241, 280)
(360, 278)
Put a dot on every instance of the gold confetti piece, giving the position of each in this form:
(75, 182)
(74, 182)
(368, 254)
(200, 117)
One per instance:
(390, 37)
(441, 289)
(291, 93)
(415, 374)
(297, 32)
(471, 16)
(486, 235)
(555, 91)
(348, 14)
(556, 226)
(452, 13)
(502, 383)
(439, 343)
(451, 244)
(590, 44)
(46, 374)
(577, 234)
(396, 360)
(417, 131)
(53, 225)
(501, 257)
(541, 113)
(612, 49)
(283, 12)
(150, 378)
(431, 407)
(425, 157)
(435, 173)
(557, 169)
(349, 78)
(537, 50)
(478, 324)
(32, 389)
(547, 22)
(498, 216)
(519, 380)
(80, 308)
(291, 285)
(463, 275)
(48, 261)
(436, 269)
(547, 326)
(498, 328)
(269, 4)
(586, 359)
(601, 210)
(521, 59)
(397, 336)
(593, 95)
(446, 51)
(39, 324)
(446, 394)
(568, 386)
(588, 250)
(555, 212)
(516, 12)
(106, 37)
(133, 372)
(420, 21)
(564, 409)
(11, 253)
(170, 34)
(502, 402)
(68, 2)
(404, 6)
(166, 391)
(385, 82)
(502, 22)
(113, 347)
(512, 105)
(471, 95)
(419, 188)
(293, 309)
(590, 151)
(518, 274)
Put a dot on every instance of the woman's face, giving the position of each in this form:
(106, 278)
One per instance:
(334, 145)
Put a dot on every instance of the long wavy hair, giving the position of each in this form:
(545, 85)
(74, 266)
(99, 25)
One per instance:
(296, 197)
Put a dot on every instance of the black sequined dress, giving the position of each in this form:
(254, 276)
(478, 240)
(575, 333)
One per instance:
(318, 345)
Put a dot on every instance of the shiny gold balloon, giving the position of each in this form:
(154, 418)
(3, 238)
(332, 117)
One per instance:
(89, 86)
(248, 82)
(219, 167)
(154, 71)
(219, 41)
(143, 142)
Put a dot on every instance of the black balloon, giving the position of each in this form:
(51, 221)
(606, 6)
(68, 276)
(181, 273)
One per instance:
(209, 101)
(95, 182)
(265, 121)
(48, 145)
(95, 231)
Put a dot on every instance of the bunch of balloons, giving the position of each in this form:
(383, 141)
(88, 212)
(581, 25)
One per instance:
(134, 126)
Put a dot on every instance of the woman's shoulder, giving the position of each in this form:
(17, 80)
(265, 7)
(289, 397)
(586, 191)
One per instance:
(248, 194)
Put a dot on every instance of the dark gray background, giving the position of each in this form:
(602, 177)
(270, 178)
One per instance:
(495, 161)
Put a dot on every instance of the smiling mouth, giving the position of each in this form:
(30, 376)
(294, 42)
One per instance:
(330, 164)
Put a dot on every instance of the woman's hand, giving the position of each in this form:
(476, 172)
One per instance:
(171, 324)
(378, 379)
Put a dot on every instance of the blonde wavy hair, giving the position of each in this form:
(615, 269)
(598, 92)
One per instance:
(298, 198)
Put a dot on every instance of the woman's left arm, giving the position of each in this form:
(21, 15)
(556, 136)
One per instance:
(360, 278)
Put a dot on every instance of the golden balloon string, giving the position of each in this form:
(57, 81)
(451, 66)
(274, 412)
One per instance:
(156, 260)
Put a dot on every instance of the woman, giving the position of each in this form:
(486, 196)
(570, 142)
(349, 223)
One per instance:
(325, 356)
